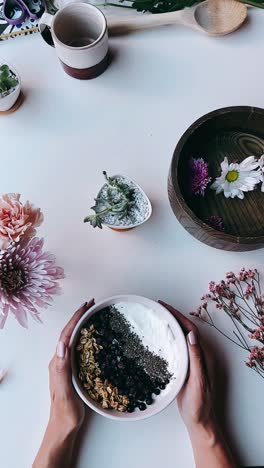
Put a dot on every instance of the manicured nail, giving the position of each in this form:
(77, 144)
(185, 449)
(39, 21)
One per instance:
(2, 374)
(90, 303)
(83, 305)
(192, 338)
(61, 349)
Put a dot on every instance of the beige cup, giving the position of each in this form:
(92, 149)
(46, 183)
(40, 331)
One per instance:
(79, 34)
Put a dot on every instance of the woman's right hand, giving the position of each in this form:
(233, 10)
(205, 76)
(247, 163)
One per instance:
(195, 401)
(196, 404)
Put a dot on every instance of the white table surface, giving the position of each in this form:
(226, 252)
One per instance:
(53, 151)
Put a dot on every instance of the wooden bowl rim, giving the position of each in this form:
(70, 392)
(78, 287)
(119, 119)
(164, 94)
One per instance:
(174, 171)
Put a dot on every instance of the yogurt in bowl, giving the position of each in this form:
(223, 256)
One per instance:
(129, 358)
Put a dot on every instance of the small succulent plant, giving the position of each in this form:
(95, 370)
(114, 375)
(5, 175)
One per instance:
(7, 80)
(117, 199)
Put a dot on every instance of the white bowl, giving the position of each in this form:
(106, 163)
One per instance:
(166, 396)
(119, 227)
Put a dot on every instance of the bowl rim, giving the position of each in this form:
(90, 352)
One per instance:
(114, 415)
(174, 172)
(130, 226)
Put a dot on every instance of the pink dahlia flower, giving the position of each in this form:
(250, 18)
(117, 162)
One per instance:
(28, 279)
(17, 219)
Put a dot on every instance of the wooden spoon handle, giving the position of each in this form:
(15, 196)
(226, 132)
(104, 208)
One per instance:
(121, 25)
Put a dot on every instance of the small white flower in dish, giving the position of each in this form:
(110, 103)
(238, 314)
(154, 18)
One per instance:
(261, 166)
(237, 178)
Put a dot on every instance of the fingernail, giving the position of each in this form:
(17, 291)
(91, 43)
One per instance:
(2, 374)
(90, 303)
(192, 338)
(61, 349)
(83, 305)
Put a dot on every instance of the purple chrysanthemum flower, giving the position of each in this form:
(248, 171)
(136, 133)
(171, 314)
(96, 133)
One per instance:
(28, 279)
(216, 222)
(199, 176)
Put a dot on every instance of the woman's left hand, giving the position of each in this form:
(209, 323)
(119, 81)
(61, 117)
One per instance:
(67, 409)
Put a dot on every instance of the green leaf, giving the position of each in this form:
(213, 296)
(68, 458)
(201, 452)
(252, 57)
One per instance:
(94, 220)
(108, 179)
(101, 204)
(119, 207)
(4, 69)
(12, 82)
(162, 6)
(257, 3)
(7, 80)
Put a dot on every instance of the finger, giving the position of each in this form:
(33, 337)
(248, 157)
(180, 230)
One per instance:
(62, 361)
(198, 369)
(66, 333)
(60, 371)
(186, 324)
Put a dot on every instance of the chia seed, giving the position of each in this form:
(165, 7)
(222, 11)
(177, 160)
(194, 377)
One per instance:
(155, 366)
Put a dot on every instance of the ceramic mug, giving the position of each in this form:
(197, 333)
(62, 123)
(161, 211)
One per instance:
(79, 34)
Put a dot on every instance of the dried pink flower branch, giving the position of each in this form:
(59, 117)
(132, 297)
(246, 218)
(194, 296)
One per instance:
(240, 298)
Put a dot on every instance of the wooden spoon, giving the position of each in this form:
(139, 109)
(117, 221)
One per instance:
(213, 17)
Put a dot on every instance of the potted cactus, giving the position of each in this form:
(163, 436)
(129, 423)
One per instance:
(120, 205)
(9, 87)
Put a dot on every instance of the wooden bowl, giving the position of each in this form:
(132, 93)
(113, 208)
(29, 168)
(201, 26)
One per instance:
(234, 132)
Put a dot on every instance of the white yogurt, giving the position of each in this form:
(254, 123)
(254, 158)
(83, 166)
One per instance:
(154, 332)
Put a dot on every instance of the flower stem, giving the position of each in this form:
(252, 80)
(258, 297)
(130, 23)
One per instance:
(222, 333)
(247, 303)
(245, 312)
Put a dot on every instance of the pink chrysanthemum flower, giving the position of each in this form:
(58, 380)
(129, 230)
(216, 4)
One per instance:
(199, 176)
(28, 279)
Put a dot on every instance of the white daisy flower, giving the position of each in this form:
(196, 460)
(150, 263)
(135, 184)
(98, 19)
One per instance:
(238, 178)
(261, 166)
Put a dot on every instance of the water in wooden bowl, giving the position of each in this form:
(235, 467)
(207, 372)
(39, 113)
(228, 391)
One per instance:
(235, 133)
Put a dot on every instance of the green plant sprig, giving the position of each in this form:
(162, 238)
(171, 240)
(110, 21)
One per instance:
(7, 81)
(166, 6)
(118, 200)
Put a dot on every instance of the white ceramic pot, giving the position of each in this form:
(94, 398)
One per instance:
(119, 227)
(7, 102)
(166, 396)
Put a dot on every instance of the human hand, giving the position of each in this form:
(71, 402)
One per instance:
(67, 409)
(195, 400)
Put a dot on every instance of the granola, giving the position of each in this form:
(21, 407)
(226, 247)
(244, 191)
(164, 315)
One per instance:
(99, 390)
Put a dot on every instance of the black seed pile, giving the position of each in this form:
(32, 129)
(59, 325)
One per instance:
(155, 366)
(125, 362)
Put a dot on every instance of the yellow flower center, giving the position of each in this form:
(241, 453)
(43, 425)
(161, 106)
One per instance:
(232, 176)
